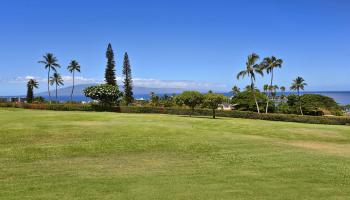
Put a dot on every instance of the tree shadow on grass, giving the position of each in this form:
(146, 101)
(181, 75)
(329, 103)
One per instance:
(200, 117)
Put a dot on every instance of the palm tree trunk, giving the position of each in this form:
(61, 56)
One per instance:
(56, 92)
(256, 102)
(267, 104)
(271, 80)
(71, 96)
(301, 110)
(268, 97)
(48, 85)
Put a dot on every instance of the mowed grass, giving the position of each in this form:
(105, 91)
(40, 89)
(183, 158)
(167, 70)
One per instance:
(88, 155)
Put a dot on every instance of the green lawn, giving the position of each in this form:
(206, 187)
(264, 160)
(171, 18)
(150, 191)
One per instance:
(87, 155)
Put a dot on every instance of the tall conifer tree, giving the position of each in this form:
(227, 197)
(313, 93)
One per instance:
(32, 83)
(110, 77)
(128, 94)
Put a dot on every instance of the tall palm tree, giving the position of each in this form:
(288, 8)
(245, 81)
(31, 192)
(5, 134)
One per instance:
(251, 69)
(57, 80)
(269, 64)
(50, 62)
(72, 68)
(235, 90)
(32, 83)
(298, 84)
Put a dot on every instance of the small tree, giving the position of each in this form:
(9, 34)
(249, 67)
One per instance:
(110, 77)
(212, 101)
(245, 101)
(154, 99)
(266, 88)
(105, 94)
(128, 94)
(235, 90)
(50, 63)
(283, 90)
(298, 84)
(39, 99)
(32, 83)
(252, 68)
(274, 91)
(167, 101)
(178, 100)
(269, 64)
(72, 68)
(191, 99)
(56, 79)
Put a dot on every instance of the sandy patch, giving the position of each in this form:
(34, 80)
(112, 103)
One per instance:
(317, 132)
(323, 147)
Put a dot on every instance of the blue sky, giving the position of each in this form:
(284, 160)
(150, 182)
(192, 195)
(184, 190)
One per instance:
(179, 43)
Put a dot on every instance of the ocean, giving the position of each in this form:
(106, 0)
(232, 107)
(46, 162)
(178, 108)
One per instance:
(342, 98)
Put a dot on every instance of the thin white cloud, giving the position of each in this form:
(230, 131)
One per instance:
(78, 79)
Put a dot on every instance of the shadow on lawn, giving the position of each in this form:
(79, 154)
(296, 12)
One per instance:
(200, 117)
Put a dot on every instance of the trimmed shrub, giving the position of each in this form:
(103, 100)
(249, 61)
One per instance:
(105, 94)
(332, 120)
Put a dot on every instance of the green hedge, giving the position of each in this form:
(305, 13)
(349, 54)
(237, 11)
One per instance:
(242, 114)
(59, 107)
(183, 111)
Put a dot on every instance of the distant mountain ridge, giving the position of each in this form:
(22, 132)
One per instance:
(78, 90)
(342, 97)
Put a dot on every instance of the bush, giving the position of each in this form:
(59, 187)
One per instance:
(241, 114)
(39, 99)
(58, 107)
(105, 94)
(314, 104)
(191, 99)
(212, 101)
(244, 101)
(283, 108)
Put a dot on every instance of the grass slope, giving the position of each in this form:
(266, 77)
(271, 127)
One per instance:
(80, 155)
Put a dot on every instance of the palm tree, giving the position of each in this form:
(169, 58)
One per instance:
(283, 90)
(248, 88)
(298, 84)
(235, 90)
(72, 67)
(251, 69)
(266, 88)
(269, 64)
(50, 62)
(57, 80)
(32, 83)
(274, 89)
